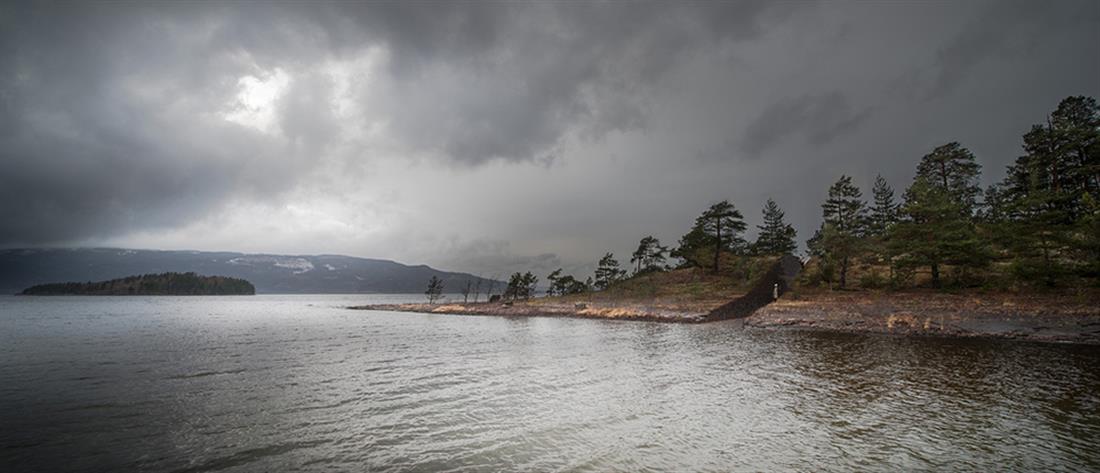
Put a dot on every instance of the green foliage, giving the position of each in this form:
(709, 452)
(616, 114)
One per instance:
(952, 168)
(884, 212)
(840, 239)
(563, 285)
(1042, 215)
(872, 280)
(776, 237)
(521, 286)
(745, 268)
(184, 284)
(719, 228)
(936, 230)
(1086, 243)
(608, 272)
(649, 257)
(695, 250)
(435, 288)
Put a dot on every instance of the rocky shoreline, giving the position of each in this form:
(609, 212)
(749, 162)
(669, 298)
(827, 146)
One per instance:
(624, 311)
(1047, 317)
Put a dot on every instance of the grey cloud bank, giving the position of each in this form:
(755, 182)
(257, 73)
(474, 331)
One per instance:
(490, 137)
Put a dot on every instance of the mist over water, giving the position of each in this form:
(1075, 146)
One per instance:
(277, 383)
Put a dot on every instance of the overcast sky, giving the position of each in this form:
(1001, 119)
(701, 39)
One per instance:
(492, 137)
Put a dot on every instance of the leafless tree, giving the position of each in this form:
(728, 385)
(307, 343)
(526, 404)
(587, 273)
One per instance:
(492, 282)
(477, 288)
(465, 291)
(435, 288)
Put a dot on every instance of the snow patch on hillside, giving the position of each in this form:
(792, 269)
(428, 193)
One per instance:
(296, 265)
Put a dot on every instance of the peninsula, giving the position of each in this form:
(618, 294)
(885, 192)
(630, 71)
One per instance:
(1020, 259)
(693, 296)
(164, 284)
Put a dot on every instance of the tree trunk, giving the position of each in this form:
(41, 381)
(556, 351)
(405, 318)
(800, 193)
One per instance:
(843, 272)
(1048, 264)
(935, 275)
(718, 244)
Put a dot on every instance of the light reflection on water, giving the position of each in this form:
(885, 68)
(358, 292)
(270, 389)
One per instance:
(272, 383)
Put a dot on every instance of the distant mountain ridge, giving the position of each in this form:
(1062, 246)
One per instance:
(271, 274)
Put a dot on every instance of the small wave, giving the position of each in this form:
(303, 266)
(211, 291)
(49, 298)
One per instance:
(203, 374)
(245, 457)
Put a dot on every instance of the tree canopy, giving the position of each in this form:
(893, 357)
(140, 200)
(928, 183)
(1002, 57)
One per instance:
(650, 256)
(718, 229)
(841, 237)
(608, 272)
(435, 289)
(776, 237)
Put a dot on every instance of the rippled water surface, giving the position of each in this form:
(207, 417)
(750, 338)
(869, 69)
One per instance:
(281, 383)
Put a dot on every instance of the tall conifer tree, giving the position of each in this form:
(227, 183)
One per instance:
(845, 216)
(952, 167)
(776, 237)
(884, 212)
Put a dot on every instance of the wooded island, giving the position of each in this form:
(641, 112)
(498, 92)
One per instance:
(164, 284)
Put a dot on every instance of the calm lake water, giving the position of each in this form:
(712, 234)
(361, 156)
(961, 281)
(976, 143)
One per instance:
(281, 383)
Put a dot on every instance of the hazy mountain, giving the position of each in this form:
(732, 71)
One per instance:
(22, 268)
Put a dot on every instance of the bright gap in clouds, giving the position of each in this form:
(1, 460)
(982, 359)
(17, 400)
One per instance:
(255, 104)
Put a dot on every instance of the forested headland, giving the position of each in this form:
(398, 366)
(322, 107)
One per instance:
(1018, 259)
(164, 284)
(1036, 229)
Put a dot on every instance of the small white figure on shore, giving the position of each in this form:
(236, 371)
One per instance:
(775, 292)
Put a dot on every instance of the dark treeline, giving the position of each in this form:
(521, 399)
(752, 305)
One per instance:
(183, 284)
(1040, 226)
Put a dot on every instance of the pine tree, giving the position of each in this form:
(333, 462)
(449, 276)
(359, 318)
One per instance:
(845, 216)
(884, 212)
(435, 288)
(521, 285)
(553, 280)
(719, 227)
(776, 236)
(938, 216)
(529, 283)
(935, 231)
(1087, 244)
(953, 168)
(512, 290)
(694, 248)
(562, 285)
(608, 272)
(650, 255)
(1035, 214)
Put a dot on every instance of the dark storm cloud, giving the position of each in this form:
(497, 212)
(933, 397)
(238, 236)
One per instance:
(109, 110)
(1011, 25)
(816, 119)
(571, 126)
(101, 132)
(552, 69)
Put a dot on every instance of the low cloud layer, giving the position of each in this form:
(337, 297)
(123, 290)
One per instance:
(494, 137)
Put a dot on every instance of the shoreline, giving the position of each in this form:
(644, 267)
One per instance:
(1032, 317)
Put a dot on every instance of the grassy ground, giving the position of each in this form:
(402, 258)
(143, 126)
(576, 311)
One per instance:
(689, 290)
